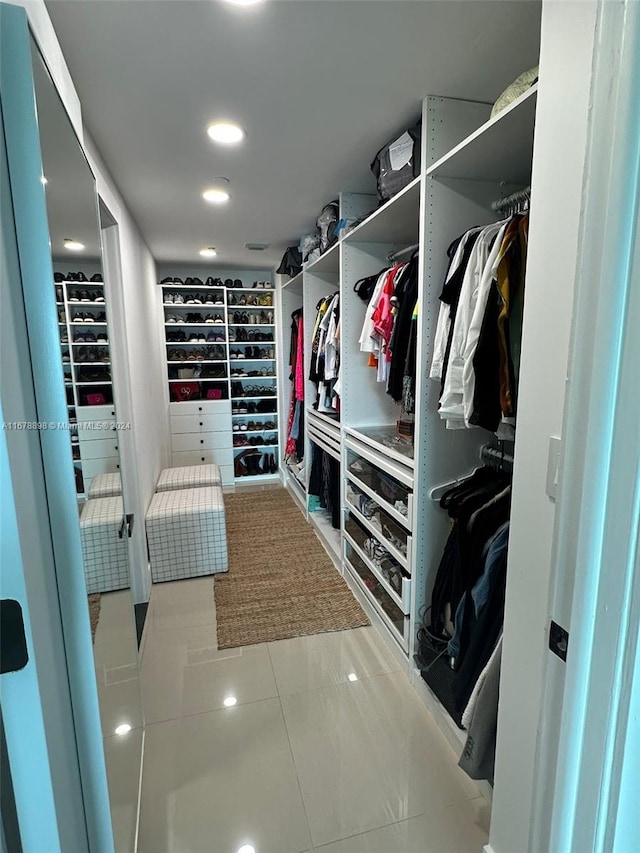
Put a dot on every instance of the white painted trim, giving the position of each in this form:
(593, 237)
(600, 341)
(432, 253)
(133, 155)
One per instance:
(581, 771)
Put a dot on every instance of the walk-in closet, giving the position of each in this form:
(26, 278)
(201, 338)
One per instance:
(299, 417)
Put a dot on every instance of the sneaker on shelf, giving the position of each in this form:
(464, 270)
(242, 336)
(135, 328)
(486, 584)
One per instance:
(168, 298)
(102, 338)
(178, 299)
(80, 276)
(167, 280)
(97, 296)
(74, 296)
(218, 319)
(97, 276)
(228, 282)
(85, 296)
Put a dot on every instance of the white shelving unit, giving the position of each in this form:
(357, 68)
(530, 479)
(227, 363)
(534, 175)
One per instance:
(469, 160)
(86, 363)
(210, 353)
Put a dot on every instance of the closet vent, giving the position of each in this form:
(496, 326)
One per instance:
(256, 247)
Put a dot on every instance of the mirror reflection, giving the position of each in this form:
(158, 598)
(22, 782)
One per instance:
(81, 296)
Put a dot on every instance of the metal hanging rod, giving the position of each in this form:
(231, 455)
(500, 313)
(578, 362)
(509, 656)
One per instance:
(513, 201)
(495, 457)
(393, 256)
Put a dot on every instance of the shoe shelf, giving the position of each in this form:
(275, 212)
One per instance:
(254, 397)
(404, 560)
(192, 324)
(197, 361)
(243, 325)
(76, 360)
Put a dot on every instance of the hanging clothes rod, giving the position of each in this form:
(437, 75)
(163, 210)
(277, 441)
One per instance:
(513, 201)
(495, 457)
(393, 256)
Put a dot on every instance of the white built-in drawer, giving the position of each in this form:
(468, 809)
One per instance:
(96, 413)
(222, 458)
(201, 407)
(201, 440)
(201, 423)
(91, 467)
(98, 449)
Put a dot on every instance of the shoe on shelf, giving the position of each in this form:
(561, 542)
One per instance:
(97, 276)
(218, 319)
(168, 299)
(74, 296)
(228, 282)
(167, 280)
(80, 276)
(58, 276)
(178, 299)
(97, 296)
(237, 282)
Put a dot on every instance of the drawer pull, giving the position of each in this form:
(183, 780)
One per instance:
(202, 441)
(200, 423)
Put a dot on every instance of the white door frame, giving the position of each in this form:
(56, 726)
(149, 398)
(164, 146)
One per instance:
(587, 762)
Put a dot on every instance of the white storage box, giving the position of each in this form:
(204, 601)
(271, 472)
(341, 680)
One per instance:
(104, 545)
(189, 477)
(186, 533)
(105, 486)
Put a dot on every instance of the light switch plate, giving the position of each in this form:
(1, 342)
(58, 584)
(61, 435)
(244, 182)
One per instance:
(553, 466)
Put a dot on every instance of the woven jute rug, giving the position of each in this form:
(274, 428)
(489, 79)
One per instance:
(94, 613)
(281, 582)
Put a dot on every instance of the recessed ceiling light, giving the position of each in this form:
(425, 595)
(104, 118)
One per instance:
(245, 2)
(123, 729)
(230, 701)
(225, 132)
(247, 848)
(208, 253)
(352, 676)
(218, 192)
(73, 245)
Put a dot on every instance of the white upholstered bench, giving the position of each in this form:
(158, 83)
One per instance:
(105, 486)
(186, 533)
(189, 477)
(104, 545)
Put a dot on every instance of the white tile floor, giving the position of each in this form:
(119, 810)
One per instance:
(327, 747)
(115, 654)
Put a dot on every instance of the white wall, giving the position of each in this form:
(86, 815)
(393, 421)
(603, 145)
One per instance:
(568, 32)
(134, 323)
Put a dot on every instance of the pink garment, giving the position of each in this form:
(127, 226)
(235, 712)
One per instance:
(383, 315)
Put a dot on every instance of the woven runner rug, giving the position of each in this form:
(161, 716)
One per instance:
(94, 613)
(281, 582)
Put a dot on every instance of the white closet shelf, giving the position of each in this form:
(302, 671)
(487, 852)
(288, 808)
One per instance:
(193, 305)
(80, 283)
(256, 478)
(397, 555)
(90, 323)
(193, 287)
(384, 583)
(88, 343)
(328, 263)
(315, 413)
(321, 520)
(195, 361)
(294, 285)
(263, 397)
(378, 455)
(368, 436)
(373, 601)
(98, 382)
(499, 150)
(252, 289)
(255, 432)
(246, 360)
(397, 221)
(272, 416)
(253, 325)
(73, 303)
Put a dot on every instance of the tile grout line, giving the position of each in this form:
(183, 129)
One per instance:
(293, 760)
(210, 711)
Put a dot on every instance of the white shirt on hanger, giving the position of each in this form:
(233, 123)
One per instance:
(452, 399)
(489, 274)
(444, 317)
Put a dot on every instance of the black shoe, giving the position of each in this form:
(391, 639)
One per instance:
(188, 280)
(228, 282)
(74, 296)
(198, 282)
(96, 277)
(237, 283)
(167, 280)
(57, 276)
(80, 276)
(177, 280)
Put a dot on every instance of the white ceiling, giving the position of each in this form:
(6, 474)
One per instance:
(319, 86)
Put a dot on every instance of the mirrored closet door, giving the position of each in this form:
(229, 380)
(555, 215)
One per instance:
(95, 432)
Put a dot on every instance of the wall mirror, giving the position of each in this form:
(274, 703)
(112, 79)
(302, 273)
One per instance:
(95, 433)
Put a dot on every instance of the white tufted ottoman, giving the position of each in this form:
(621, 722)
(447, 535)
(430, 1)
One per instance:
(105, 486)
(189, 477)
(104, 545)
(186, 534)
